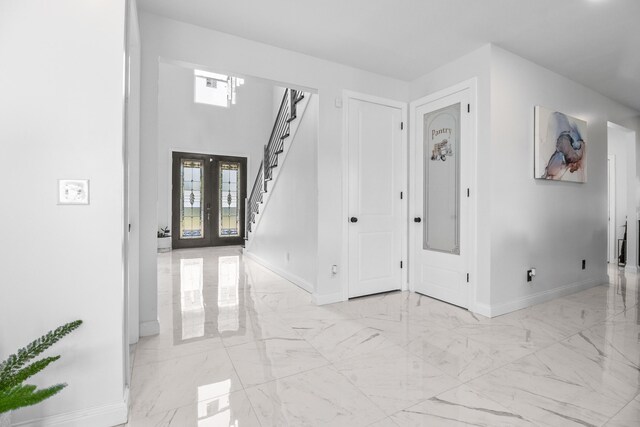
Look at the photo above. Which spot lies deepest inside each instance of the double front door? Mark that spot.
(207, 202)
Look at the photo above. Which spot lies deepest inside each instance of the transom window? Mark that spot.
(215, 89)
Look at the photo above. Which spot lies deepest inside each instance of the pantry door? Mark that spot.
(442, 165)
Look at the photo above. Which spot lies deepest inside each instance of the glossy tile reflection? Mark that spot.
(228, 288)
(240, 346)
(191, 298)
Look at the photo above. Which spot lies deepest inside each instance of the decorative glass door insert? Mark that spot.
(191, 206)
(229, 212)
(441, 180)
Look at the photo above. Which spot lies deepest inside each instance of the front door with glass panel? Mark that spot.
(208, 195)
(441, 173)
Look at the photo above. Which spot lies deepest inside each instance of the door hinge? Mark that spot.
(401, 125)
(400, 264)
(467, 277)
(468, 192)
(468, 108)
(401, 195)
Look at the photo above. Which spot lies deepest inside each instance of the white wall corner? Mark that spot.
(481, 309)
(296, 280)
(107, 415)
(320, 299)
(540, 297)
(150, 328)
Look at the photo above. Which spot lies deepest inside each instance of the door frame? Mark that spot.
(169, 156)
(612, 237)
(403, 107)
(470, 85)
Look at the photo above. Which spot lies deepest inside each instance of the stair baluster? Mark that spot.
(275, 146)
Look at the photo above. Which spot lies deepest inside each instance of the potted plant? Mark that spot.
(164, 239)
(17, 369)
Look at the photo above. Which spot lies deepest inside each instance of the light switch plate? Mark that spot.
(73, 191)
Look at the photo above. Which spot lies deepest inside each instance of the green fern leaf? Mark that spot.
(16, 361)
(22, 375)
(26, 395)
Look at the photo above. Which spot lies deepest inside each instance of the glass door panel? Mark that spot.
(191, 206)
(229, 212)
(441, 180)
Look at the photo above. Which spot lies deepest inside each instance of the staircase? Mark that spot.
(291, 108)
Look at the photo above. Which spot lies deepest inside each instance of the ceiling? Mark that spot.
(594, 42)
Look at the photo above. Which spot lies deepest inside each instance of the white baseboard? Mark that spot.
(481, 309)
(530, 300)
(300, 282)
(631, 268)
(150, 328)
(107, 415)
(328, 298)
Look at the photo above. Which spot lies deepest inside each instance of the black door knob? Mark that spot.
(354, 219)
(417, 219)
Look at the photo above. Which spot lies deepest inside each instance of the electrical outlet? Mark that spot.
(530, 274)
(584, 264)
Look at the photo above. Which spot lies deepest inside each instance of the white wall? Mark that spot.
(61, 116)
(133, 155)
(516, 229)
(473, 65)
(551, 226)
(169, 39)
(240, 130)
(148, 314)
(286, 237)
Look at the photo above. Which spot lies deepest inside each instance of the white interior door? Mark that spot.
(375, 178)
(442, 160)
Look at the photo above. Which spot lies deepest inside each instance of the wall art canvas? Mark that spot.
(560, 146)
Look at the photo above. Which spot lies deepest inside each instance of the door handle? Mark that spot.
(353, 219)
(417, 219)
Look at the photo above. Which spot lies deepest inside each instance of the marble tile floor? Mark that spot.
(240, 346)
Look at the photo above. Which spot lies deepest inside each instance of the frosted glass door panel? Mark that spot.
(441, 139)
